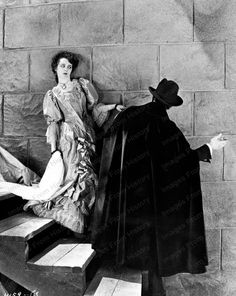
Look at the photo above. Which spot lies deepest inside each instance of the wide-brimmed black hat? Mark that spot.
(167, 93)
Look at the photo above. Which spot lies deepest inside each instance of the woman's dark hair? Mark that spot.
(70, 56)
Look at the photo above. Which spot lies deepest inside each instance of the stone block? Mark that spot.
(158, 21)
(229, 278)
(209, 171)
(18, 147)
(219, 201)
(13, 71)
(213, 237)
(230, 66)
(183, 115)
(92, 23)
(39, 155)
(6, 3)
(110, 97)
(213, 113)
(208, 284)
(118, 68)
(137, 98)
(31, 26)
(214, 20)
(198, 66)
(23, 115)
(230, 159)
(229, 249)
(41, 76)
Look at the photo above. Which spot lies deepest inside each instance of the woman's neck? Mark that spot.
(64, 81)
(65, 84)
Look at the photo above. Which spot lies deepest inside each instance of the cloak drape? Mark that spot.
(148, 212)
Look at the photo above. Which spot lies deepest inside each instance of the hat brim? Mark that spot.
(178, 99)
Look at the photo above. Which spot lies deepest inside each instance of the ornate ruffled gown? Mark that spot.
(70, 116)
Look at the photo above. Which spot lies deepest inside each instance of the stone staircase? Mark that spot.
(38, 254)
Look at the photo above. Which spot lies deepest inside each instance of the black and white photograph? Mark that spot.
(117, 148)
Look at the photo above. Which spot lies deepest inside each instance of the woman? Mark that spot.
(71, 109)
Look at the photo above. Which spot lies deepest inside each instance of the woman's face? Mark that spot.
(64, 69)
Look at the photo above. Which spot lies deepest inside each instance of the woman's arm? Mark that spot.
(53, 117)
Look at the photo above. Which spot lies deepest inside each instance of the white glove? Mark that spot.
(218, 142)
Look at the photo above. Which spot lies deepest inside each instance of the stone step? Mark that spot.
(23, 227)
(110, 281)
(64, 256)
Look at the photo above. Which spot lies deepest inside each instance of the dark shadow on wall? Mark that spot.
(206, 18)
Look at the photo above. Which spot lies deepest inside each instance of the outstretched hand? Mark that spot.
(218, 142)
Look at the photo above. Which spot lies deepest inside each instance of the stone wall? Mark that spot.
(125, 46)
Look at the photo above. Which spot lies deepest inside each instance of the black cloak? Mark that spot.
(148, 213)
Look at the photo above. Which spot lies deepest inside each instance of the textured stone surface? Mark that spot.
(213, 111)
(230, 283)
(208, 284)
(213, 237)
(31, 26)
(182, 115)
(13, 71)
(230, 65)
(23, 115)
(91, 23)
(215, 20)
(229, 249)
(60, 1)
(14, 2)
(230, 159)
(198, 66)
(17, 147)
(39, 155)
(209, 171)
(171, 22)
(219, 204)
(42, 78)
(118, 68)
(110, 97)
(4, 3)
(137, 98)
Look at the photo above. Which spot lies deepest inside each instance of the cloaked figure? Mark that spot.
(148, 213)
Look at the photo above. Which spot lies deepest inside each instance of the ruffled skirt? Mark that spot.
(72, 208)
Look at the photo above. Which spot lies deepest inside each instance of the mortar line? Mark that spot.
(221, 250)
(3, 27)
(224, 65)
(135, 44)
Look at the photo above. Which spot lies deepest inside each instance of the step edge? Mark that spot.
(28, 236)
